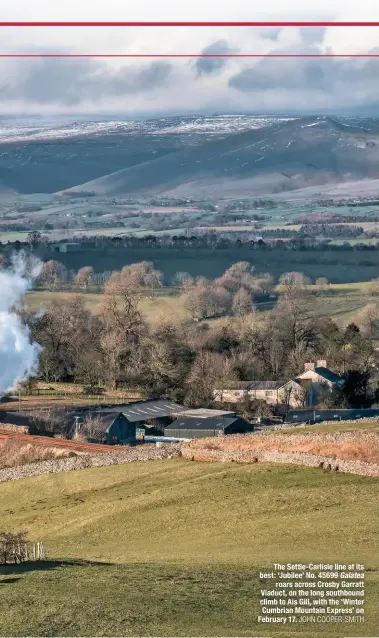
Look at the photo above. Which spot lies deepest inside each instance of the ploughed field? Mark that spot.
(174, 547)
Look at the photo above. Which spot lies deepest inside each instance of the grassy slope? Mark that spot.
(154, 309)
(342, 302)
(183, 542)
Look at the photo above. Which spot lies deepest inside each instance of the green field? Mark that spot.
(339, 265)
(174, 548)
(341, 302)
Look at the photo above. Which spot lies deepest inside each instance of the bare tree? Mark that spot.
(84, 277)
(368, 319)
(184, 280)
(49, 422)
(292, 279)
(121, 332)
(53, 274)
(210, 371)
(242, 303)
(238, 275)
(63, 332)
(134, 277)
(293, 309)
(92, 427)
(12, 547)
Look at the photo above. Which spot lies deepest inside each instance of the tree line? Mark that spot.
(187, 359)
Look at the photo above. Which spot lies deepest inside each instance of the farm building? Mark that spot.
(315, 379)
(205, 413)
(195, 428)
(272, 392)
(118, 430)
(112, 428)
(66, 247)
(123, 421)
(139, 413)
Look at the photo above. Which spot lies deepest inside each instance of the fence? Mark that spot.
(17, 551)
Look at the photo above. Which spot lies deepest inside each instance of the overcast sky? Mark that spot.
(138, 87)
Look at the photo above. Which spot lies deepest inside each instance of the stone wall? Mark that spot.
(147, 453)
(273, 456)
(85, 461)
(18, 429)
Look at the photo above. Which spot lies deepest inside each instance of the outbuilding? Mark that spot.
(112, 428)
(195, 428)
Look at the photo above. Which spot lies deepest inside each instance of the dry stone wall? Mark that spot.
(85, 461)
(149, 453)
(291, 458)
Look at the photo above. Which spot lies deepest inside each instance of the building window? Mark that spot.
(269, 393)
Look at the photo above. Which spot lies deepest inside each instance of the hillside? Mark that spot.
(49, 156)
(280, 157)
(173, 548)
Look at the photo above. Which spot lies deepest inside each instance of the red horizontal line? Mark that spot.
(189, 55)
(189, 24)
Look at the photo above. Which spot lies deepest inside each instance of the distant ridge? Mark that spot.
(280, 157)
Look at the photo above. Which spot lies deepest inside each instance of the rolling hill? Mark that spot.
(283, 156)
(174, 548)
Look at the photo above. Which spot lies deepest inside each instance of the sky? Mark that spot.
(198, 85)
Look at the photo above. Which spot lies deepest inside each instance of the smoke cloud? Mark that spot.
(18, 355)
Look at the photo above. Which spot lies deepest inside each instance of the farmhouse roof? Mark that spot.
(238, 385)
(254, 385)
(329, 375)
(326, 374)
(267, 385)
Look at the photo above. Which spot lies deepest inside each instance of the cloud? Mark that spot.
(70, 81)
(85, 85)
(270, 33)
(207, 66)
(312, 35)
(337, 82)
(287, 73)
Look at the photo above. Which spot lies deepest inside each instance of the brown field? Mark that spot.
(14, 452)
(348, 446)
(155, 309)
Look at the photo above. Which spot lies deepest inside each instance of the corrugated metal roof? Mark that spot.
(190, 423)
(205, 413)
(145, 410)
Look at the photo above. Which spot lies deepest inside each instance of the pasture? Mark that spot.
(341, 302)
(174, 547)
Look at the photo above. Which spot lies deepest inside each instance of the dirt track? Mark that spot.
(93, 448)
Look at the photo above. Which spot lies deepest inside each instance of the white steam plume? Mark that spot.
(18, 356)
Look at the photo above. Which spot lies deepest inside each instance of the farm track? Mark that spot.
(50, 442)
